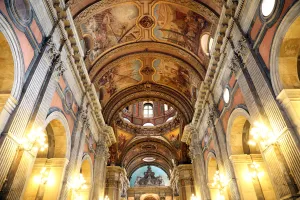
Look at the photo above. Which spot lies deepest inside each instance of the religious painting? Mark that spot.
(175, 76)
(125, 74)
(123, 138)
(179, 25)
(109, 28)
(173, 138)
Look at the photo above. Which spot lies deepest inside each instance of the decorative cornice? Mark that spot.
(188, 131)
(230, 10)
(213, 114)
(62, 16)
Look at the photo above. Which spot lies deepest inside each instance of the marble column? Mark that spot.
(198, 164)
(101, 157)
(201, 188)
(218, 135)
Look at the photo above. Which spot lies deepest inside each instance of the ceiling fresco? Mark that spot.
(123, 75)
(180, 26)
(146, 50)
(110, 28)
(174, 137)
(136, 69)
(105, 28)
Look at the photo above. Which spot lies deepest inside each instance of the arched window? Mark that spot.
(127, 120)
(148, 110)
(169, 119)
(166, 107)
(148, 124)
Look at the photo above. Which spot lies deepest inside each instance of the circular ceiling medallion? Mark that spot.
(149, 159)
(146, 21)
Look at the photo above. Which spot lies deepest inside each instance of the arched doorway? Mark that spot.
(212, 170)
(86, 172)
(6, 71)
(11, 71)
(285, 64)
(45, 180)
(250, 170)
(149, 197)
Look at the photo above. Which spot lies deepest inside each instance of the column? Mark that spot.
(218, 135)
(77, 137)
(186, 186)
(283, 157)
(198, 164)
(100, 163)
(116, 183)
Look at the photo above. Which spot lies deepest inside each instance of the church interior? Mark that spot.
(149, 99)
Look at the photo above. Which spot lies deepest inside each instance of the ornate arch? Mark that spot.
(56, 115)
(19, 70)
(242, 116)
(283, 28)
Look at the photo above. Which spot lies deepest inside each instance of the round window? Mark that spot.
(226, 95)
(267, 7)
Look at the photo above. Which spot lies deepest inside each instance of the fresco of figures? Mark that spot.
(109, 28)
(119, 77)
(180, 26)
(173, 138)
(174, 75)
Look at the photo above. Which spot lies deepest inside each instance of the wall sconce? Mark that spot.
(220, 183)
(261, 134)
(79, 183)
(43, 177)
(256, 172)
(35, 140)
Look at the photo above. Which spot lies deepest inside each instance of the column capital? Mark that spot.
(188, 132)
(213, 114)
(195, 149)
(241, 49)
(101, 148)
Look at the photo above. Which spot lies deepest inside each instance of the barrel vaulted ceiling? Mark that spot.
(146, 50)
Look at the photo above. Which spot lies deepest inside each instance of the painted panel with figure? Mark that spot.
(179, 25)
(124, 74)
(109, 28)
(175, 76)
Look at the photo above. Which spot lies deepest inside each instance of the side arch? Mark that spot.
(19, 71)
(283, 28)
(237, 118)
(56, 115)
